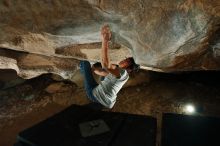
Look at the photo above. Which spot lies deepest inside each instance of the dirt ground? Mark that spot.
(35, 100)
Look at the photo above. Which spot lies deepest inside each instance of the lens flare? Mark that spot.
(189, 109)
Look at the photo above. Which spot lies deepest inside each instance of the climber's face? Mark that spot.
(125, 63)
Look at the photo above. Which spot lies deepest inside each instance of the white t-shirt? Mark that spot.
(106, 91)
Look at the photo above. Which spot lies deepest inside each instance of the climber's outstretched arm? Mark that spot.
(106, 36)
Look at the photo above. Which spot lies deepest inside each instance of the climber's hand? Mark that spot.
(106, 33)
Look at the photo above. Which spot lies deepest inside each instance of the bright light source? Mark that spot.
(189, 109)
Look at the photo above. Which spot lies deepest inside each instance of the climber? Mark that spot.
(115, 76)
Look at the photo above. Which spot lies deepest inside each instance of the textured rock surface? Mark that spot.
(32, 65)
(176, 35)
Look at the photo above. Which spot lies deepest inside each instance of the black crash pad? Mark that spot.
(63, 129)
(189, 130)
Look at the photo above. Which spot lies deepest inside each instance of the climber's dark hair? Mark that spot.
(132, 67)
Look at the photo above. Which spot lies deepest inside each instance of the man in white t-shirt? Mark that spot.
(115, 76)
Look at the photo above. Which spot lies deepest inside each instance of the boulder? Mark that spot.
(164, 36)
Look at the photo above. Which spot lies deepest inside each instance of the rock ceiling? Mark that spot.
(45, 36)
